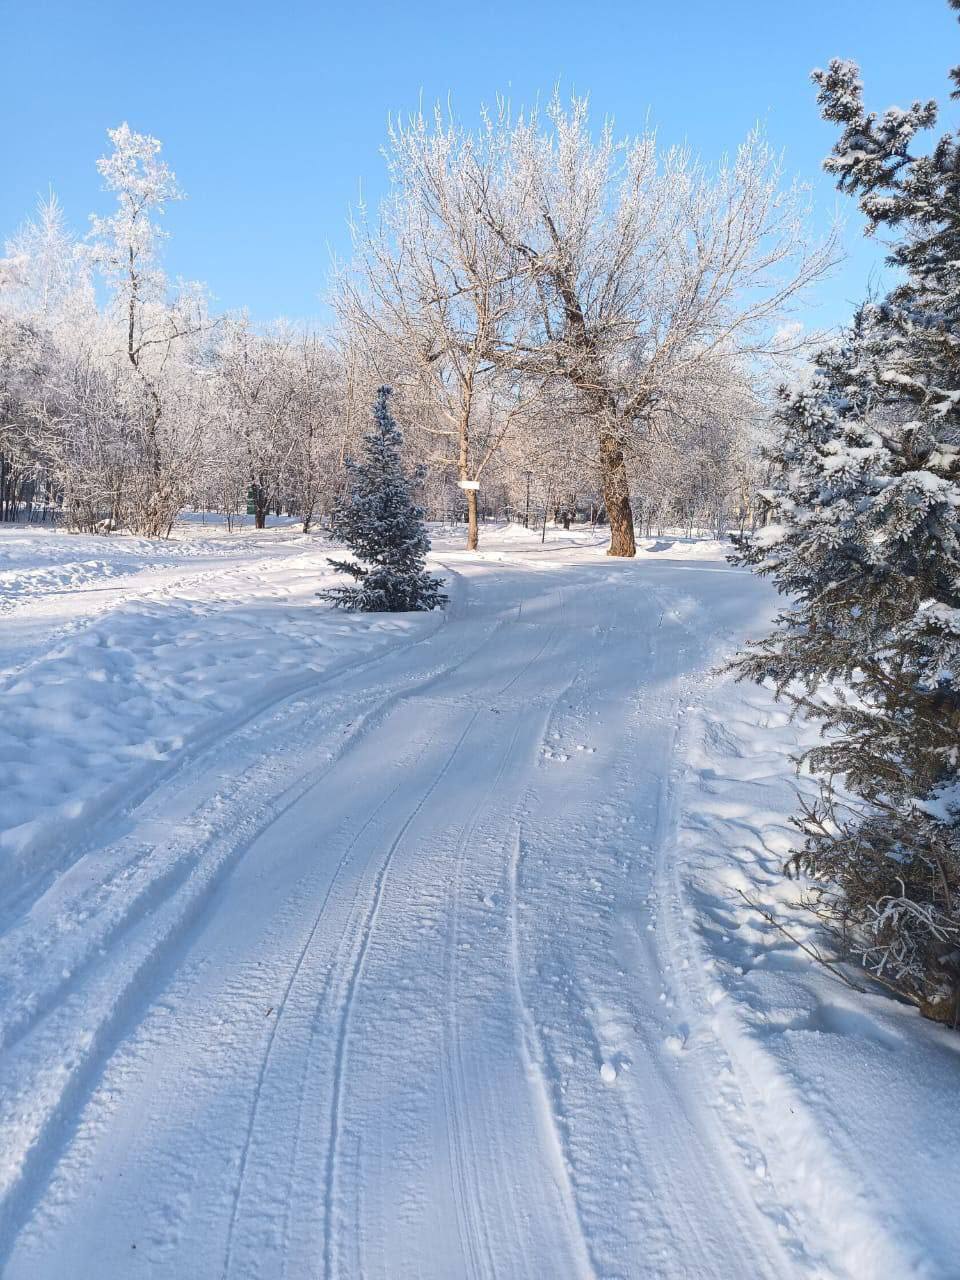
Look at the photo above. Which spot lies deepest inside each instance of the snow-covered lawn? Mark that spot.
(119, 657)
(413, 946)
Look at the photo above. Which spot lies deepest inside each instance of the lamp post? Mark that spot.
(526, 513)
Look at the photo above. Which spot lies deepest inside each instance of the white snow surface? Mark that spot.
(427, 945)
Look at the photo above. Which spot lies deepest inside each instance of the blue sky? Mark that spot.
(273, 114)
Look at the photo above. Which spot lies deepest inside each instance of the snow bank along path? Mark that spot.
(401, 976)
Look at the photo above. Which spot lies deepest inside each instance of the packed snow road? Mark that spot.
(384, 982)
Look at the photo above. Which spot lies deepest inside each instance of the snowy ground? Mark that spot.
(355, 947)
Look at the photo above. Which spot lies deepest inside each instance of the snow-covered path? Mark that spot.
(390, 981)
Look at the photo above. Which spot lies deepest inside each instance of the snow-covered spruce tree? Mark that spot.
(377, 519)
(864, 539)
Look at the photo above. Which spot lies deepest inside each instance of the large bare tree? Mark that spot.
(608, 265)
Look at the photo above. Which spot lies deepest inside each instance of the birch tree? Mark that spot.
(125, 246)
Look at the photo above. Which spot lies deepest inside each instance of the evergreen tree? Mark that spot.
(377, 519)
(864, 538)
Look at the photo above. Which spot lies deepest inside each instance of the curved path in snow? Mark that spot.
(376, 985)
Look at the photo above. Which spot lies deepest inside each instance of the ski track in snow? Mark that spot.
(346, 1009)
(532, 1049)
(424, 968)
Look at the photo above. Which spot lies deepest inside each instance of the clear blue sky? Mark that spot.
(273, 114)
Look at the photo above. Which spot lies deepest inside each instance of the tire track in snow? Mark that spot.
(394, 700)
(277, 1020)
(531, 1047)
(533, 1061)
(473, 1232)
(367, 932)
(356, 974)
(381, 711)
(165, 883)
(119, 1006)
(161, 886)
(683, 1122)
(471, 1223)
(462, 1130)
(48, 1134)
(83, 836)
(325, 992)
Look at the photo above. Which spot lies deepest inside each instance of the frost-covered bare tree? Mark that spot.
(315, 463)
(24, 360)
(86, 435)
(259, 377)
(696, 464)
(47, 312)
(623, 267)
(44, 274)
(434, 289)
(151, 327)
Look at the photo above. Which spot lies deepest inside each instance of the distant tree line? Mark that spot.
(563, 315)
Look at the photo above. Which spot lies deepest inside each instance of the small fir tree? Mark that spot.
(864, 538)
(378, 520)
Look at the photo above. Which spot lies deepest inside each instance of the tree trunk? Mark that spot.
(159, 498)
(616, 497)
(472, 530)
(463, 469)
(261, 506)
